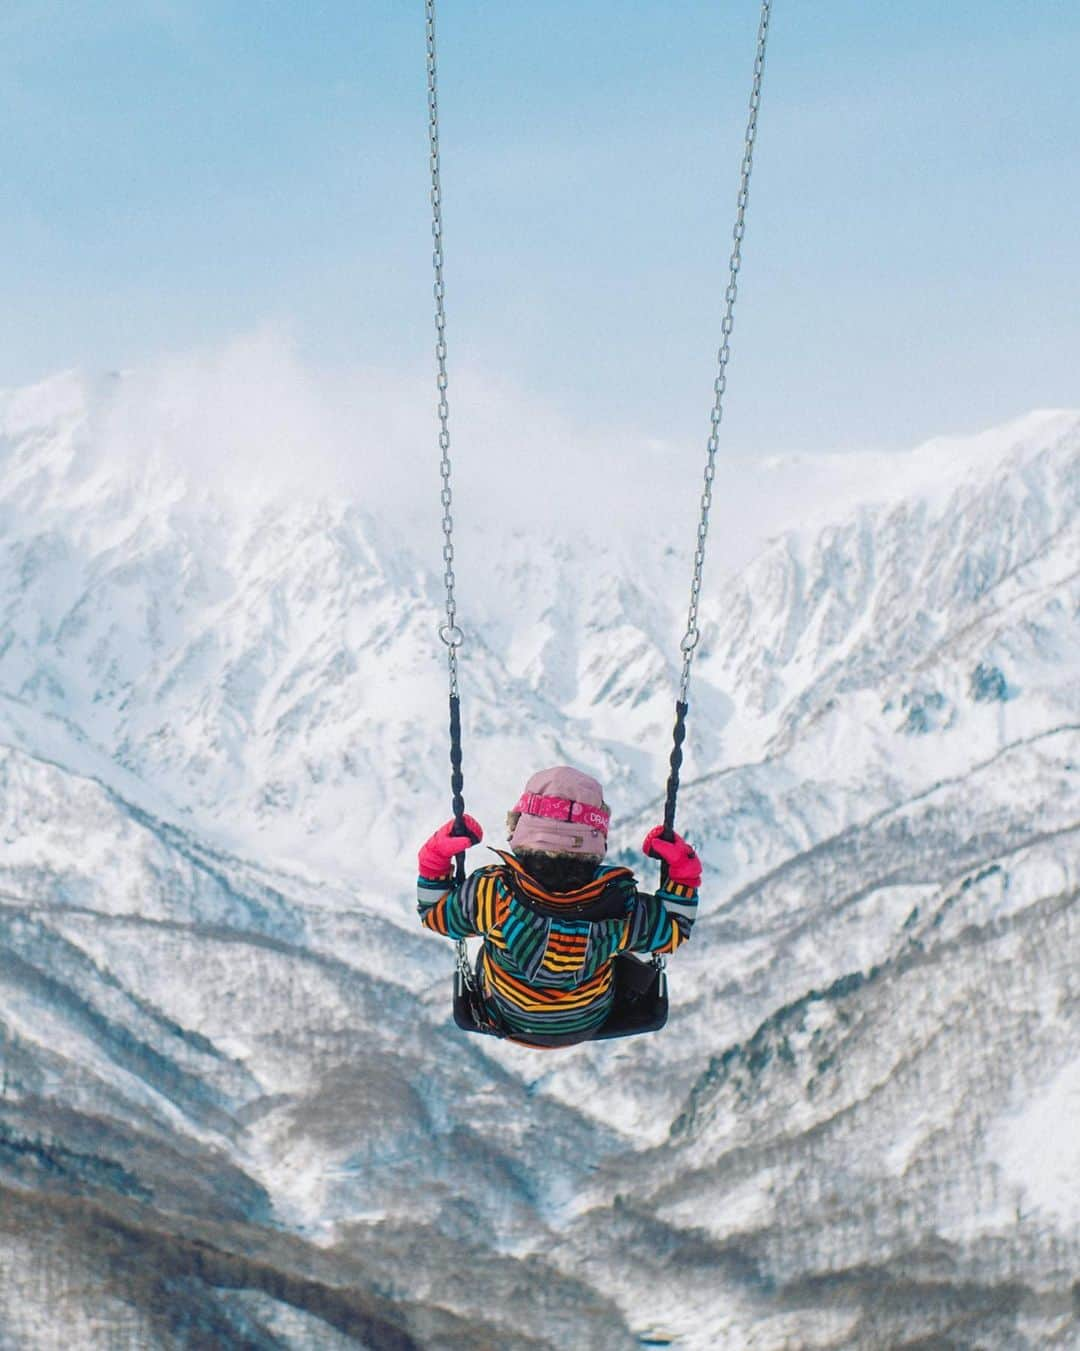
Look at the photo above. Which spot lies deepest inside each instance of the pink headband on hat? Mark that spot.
(562, 809)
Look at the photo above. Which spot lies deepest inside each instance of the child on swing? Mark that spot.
(553, 916)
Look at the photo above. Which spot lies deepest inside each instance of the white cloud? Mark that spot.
(254, 419)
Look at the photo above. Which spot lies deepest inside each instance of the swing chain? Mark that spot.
(692, 636)
(449, 632)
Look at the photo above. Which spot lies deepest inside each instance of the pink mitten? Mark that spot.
(683, 865)
(437, 854)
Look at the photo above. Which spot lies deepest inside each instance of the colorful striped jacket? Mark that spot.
(546, 961)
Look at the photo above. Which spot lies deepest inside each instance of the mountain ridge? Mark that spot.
(213, 990)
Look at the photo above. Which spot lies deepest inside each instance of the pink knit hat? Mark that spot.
(562, 811)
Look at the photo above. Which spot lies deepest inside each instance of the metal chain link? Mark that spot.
(692, 636)
(449, 632)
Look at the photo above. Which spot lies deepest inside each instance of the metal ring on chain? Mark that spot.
(451, 635)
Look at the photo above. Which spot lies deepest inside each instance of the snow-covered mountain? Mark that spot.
(232, 1109)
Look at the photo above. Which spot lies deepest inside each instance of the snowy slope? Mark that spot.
(266, 670)
(222, 1034)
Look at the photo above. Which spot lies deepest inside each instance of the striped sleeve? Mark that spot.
(457, 911)
(660, 923)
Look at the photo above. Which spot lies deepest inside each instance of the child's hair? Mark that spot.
(558, 872)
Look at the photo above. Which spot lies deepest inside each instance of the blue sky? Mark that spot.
(178, 172)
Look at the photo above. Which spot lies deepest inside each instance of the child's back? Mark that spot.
(552, 915)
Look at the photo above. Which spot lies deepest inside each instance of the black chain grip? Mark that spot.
(678, 737)
(457, 786)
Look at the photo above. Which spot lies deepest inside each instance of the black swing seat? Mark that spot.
(641, 1005)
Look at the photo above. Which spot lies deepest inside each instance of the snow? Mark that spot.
(1038, 1147)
